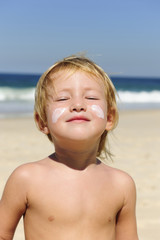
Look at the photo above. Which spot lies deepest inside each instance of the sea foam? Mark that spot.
(139, 97)
(15, 94)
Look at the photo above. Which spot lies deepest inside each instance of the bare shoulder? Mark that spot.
(24, 173)
(120, 178)
(14, 201)
(21, 181)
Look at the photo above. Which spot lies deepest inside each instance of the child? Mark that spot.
(72, 195)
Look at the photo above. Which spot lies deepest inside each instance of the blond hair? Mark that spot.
(73, 64)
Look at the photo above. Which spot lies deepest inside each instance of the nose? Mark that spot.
(78, 105)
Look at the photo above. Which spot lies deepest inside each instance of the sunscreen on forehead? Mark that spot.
(57, 113)
(98, 111)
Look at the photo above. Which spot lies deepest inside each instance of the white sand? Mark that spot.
(135, 143)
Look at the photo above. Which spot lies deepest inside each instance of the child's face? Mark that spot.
(77, 108)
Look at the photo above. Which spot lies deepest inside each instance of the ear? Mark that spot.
(42, 127)
(110, 119)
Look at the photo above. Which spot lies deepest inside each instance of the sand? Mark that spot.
(135, 144)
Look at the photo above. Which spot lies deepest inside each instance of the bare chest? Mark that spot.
(69, 199)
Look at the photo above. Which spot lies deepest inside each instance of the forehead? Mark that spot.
(71, 78)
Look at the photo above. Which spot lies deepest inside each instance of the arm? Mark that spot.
(13, 204)
(126, 228)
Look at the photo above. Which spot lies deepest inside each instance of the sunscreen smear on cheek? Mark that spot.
(98, 111)
(57, 113)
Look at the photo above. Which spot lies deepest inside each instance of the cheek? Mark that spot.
(57, 114)
(98, 111)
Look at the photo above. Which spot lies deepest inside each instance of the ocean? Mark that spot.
(17, 93)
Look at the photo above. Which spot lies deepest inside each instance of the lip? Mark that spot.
(78, 119)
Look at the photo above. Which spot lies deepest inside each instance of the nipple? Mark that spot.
(50, 218)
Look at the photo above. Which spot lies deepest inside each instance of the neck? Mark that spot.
(76, 160)
(76, 154)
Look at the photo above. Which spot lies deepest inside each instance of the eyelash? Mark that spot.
(92, 98)
(62, 99)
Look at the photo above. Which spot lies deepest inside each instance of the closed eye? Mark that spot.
(92, 98)
(62, 99)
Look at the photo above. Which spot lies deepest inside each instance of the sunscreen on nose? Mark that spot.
(98, 111)
(57, 113)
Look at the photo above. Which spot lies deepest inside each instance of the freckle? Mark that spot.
(51, 218)
(109, 219)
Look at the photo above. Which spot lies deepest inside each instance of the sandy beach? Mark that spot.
(135, 144)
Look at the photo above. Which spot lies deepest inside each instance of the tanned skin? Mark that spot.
(71, 194)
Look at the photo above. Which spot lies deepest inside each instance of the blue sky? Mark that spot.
(122, 36)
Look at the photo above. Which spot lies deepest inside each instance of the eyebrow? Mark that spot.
(86, 89)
